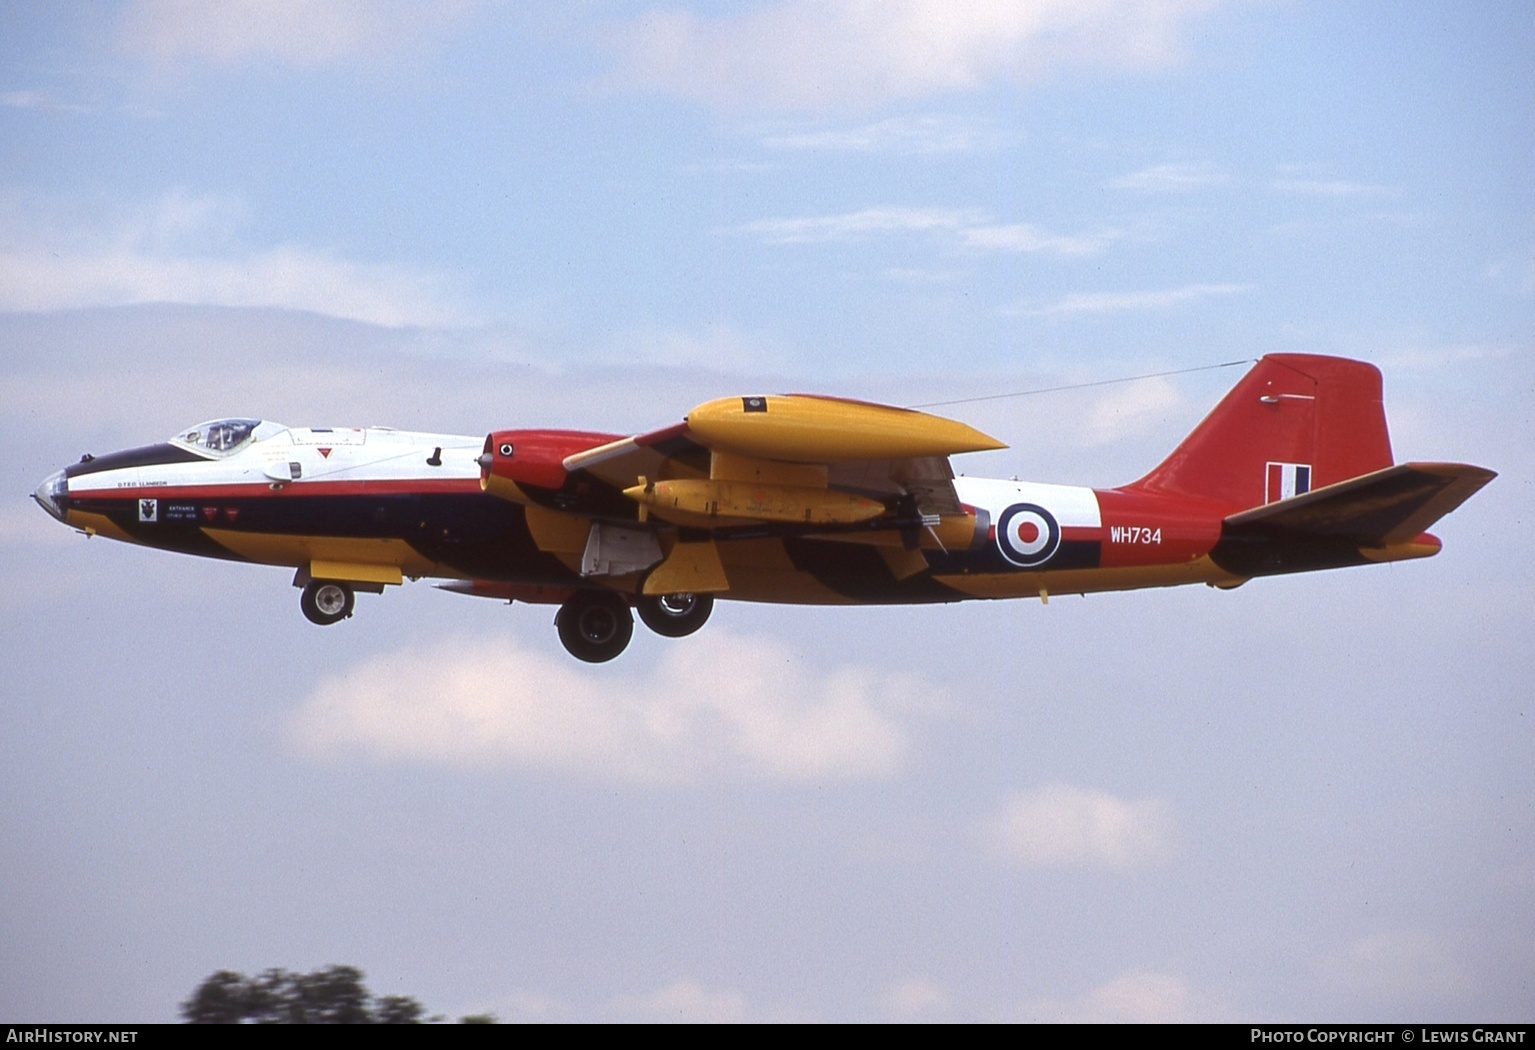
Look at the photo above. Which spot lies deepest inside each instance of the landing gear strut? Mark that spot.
(594, 626)
(326, 601)
(675, 615)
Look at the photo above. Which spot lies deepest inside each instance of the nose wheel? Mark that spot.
(594, 626)
(326, 601)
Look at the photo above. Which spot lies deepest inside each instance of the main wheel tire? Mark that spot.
(594, 626)
(675, 615)
(327, 601)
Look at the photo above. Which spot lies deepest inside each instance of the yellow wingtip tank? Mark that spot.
(803, 428)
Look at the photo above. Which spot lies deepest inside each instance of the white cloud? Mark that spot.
(1138, 997)
(919, 135)
(804, 55)
(717, 705)
(1061, 826)
(525, 1005)
(684, 1001)
(968, 227)
(1169, 178)
(850, 225)
(298, 32)
(688, 1000)
(1512, 273)
(729, 166)
(40, 101)
(917, 276)
(917, 998)
(23, 99)
(1396, 964)
(1444, 356)
(1134, 408)
(716, 347)
(182, 249)
(1114, 302)
(289, 277)
(1336, 188)
(1021, 237)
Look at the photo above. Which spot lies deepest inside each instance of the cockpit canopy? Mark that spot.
(221, 437)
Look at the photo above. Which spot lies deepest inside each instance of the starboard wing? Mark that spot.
(792, 459)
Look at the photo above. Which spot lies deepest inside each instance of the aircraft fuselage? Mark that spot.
(414, 502)
(1291, 472)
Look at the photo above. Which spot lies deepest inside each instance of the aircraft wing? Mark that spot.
(671, 450)
(805, 459)
(927, 479)
(1389, 506)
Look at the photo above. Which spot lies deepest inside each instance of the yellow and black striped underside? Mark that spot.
(380, 536)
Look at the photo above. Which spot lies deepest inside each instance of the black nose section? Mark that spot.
(148, 456)
(50, 495)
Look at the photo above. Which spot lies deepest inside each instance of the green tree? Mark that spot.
(397, 1009)
(334, 995)
(223, 998)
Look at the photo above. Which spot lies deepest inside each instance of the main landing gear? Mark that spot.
(327, 601)
(595, 626)
(675, 615)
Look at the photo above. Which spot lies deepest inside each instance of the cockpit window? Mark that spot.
(220, 437)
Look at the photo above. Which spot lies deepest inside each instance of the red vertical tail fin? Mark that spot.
(1294, 423)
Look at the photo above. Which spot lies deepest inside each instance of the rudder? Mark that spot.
(1294, 423)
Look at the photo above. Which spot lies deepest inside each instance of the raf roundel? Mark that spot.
(1027, 535)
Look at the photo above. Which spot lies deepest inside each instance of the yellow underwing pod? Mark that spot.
(700, 498)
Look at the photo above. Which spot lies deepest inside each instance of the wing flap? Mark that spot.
(929, 479)
(1386, 507)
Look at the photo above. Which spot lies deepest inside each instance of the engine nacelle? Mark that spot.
(515, 459)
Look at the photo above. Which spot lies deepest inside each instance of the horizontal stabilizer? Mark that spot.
(1387, 506)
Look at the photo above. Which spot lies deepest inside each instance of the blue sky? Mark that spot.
(1305, 799)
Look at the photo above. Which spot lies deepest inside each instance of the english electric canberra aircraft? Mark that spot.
(778, 498)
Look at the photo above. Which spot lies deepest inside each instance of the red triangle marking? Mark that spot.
(325, 452)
